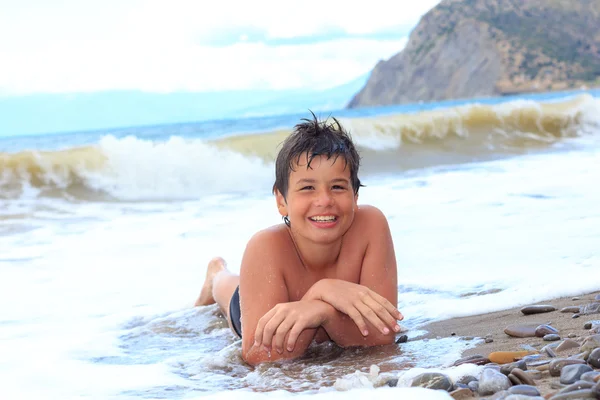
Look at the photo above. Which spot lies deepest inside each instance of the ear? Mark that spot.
(281, 203)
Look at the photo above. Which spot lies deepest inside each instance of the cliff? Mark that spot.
(469, 48)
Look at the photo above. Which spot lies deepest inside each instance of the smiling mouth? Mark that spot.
(328, 218)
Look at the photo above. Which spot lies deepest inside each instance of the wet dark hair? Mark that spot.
(315, 138)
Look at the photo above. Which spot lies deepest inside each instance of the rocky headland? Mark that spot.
(478, 48)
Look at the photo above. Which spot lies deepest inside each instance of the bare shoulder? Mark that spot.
(268, 244)
(369, 218)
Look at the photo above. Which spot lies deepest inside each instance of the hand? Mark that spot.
(292, 317)
(360, 302)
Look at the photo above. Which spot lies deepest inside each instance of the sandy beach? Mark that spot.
(492, 326)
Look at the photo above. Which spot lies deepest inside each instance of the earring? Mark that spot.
(286, 220)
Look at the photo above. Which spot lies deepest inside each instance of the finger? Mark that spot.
(279, 336)
(293, 336)
(260, 326)
(388, 306)
(270, 328)
(372, 317)
(382, 312)
(358, 320)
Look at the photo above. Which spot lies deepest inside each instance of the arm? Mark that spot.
(262, 288)
(375, 297)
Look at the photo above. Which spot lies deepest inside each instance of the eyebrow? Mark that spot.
(306, 180)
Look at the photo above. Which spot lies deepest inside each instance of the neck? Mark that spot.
(315, 256)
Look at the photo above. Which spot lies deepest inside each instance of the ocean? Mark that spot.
(105, 237)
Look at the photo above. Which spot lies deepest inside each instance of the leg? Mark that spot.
(218, 287)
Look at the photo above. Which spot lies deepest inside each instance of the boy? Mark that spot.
(327, 273)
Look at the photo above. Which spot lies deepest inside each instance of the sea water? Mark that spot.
(105, 238)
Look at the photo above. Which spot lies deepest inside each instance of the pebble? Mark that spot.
(521, 331)
(507, 368)
(474, 386)
(596, 391)
(544, 330)
(567, 344)
(591, 324)
(537, 309)
(571, 309)
(593, 376)
(594, 358)
(522, 397)
(402, 339)
(572, 335)
(504, 357)
(463, 393)
(526, 390)
(489, 340)
(576, 298)
(572, 373)
(577, 386)
(522, 376)
(592, 308)
(590, 343)
(534, 374)
(492, 381)
(432, 380)
(476, 359)
(392, 382)
(576, 395)
(551, 337)
(597, 297)
(558, 364)
(465, 380)
(575, 316)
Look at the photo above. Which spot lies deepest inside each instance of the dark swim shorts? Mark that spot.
(234, 312)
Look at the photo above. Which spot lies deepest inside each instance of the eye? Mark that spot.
(307, 188)
(339, 187)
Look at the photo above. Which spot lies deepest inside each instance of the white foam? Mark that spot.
(175, 169)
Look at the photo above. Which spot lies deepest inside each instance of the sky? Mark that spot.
(162, 46)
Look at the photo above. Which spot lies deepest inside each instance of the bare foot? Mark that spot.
(215, 266)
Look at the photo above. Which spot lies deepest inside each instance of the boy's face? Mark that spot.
(320, 200)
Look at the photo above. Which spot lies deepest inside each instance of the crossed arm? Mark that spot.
(352, 314)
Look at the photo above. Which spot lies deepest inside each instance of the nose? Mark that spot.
(324, 198)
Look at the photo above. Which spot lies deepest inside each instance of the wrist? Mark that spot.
(316, 291)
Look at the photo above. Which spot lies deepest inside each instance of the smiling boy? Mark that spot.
(327, 273)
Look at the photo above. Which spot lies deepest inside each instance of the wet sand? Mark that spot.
(493, 324)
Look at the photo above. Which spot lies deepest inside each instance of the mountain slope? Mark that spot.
(468, 48)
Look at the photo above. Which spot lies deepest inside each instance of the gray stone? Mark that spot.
(463, 393)
(592, 308)
(492, 381)
(526, 390)
(507, 368)
(551, 337)
(520, 330)
(522, 376)
(537, 309)
(567, 344)
(593, 376)
(558, 364)
(534, 374)
(523, 397)
(578, 386)
(596, 390)
(402, 339)
(474, 386)
(544, 330)
(572, 335)
(476, 359)
(594, 358)
(465, 380)
(392, 382)
(570, 309)
(591, 324)
(572, 373)
(597, 297)
(590, 343)
(576, 395)
(432, 380)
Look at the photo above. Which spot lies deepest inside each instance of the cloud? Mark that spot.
(73, 46)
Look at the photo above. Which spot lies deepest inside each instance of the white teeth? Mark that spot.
(323, 219)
